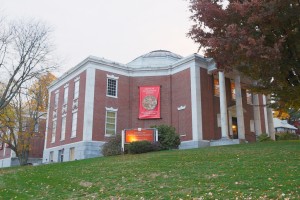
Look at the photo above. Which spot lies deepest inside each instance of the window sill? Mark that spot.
(73, 136)
(112, 96)
(109, 135)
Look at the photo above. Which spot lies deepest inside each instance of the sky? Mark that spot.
(118, 30)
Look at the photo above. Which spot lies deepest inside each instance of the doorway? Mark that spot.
(234, 128)
(61, 155)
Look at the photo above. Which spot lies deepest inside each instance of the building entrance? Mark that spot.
(234, 128)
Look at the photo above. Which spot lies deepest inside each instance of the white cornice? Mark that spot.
(118, 68)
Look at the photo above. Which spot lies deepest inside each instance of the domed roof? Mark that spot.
(158, 58)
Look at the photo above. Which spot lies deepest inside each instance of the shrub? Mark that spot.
(167, 137)
(140, 147)
(286, 136)
(264, 138)
(113, 146)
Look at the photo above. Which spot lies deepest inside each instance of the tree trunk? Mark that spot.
(23, 157)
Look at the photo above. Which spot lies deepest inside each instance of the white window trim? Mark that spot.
(61, 132)
(74, 136)
(112, 77)
(53, 135)
(77, 80)
(66, 94)
(252, 126)
(56, 96)
(219, 120)
(111, 110)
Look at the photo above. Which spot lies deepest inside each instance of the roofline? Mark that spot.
(209, 62)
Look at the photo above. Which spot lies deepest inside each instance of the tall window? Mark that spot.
(216, 87)
(112, 87)
(249, 97)
(72, 154)
(110, 123)
(232, 85)
(56, 99)
(76, 89)
(66, 95)
(53, 131)
(74, 124)
(252, 127)
(63, 128)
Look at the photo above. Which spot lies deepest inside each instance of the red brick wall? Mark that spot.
(101, 101)
(209, 117)
(37, 143)
(181, 96)
(165, 99)
(80, 117)
(248, 115)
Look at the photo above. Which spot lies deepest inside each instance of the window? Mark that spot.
(249, 97)
(66, 95)
(51, 156)
(216, 87)
(76, 89)
(110, 123)
(53, 131)
(74, 124)
(232, 85)
(63, 128)
(252, 126)
(72, 154)
(112, 87)
(219, 120)
(56, 99)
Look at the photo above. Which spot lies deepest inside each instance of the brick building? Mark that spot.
(8, 156)
(99, 98)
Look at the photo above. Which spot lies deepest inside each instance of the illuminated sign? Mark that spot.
(134, 135)
(139, 135)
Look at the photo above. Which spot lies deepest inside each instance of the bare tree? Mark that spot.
(25, 49)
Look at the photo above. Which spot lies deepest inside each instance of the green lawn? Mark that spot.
(268, 170)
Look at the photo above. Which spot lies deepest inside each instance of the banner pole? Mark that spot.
(123, 141)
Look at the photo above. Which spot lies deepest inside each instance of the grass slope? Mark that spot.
(250, 171)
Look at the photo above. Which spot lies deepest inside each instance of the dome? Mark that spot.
(158, 58)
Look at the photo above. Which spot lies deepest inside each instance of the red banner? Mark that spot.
(149, 102)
